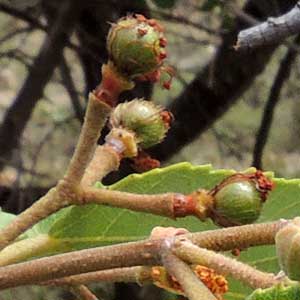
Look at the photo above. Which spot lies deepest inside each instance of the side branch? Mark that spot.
(66, 192)
(104, 161)
(95, 118)
(46, 206)
(193, 288)
(82, 292)
(273, 31)
(224, 265)
(131, 254)
(138, 274)
(281, 77)
(160, 204)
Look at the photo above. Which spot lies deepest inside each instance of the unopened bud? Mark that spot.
(136, 46)
(143, 118)
(239, 198)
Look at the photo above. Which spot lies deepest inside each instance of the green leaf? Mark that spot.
(93, 225)
(279, 292)
(165, 3)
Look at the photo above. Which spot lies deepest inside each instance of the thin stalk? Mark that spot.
(82, 292)
(104, 161)
(138, 274)
(160, 204)
(89, 260)
(95, 118)
(238, 237)
(192, 286)
(223, 265)
(47, 205)
(60, 196)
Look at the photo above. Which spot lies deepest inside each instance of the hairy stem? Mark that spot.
(95, 118)
(132, 274)
(104, 161)
(193, 287)
(132, 254)
(238, 237)
(47, 205)
(89, 260)
(160, 204)
(82, 292)
(224, 265)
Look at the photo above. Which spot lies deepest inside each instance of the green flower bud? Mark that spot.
(136, 46)
(277, 292)
(146, 120)
(288, 249)
(239, 198)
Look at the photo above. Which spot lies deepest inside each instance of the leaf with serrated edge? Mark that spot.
(92, 225)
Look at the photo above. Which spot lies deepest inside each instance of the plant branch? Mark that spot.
(130, 274)
(64, 194)
(194, 255)
(44, 207)
(82, 292)
(237, 237)
(95, 118)
(104, 161)
(192, 286)
(282, 76)
(132, 254)
(89, 260)
(160, 204)
(273, 31)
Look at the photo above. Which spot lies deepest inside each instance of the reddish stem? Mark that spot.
(184, 205)
(112, 84)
